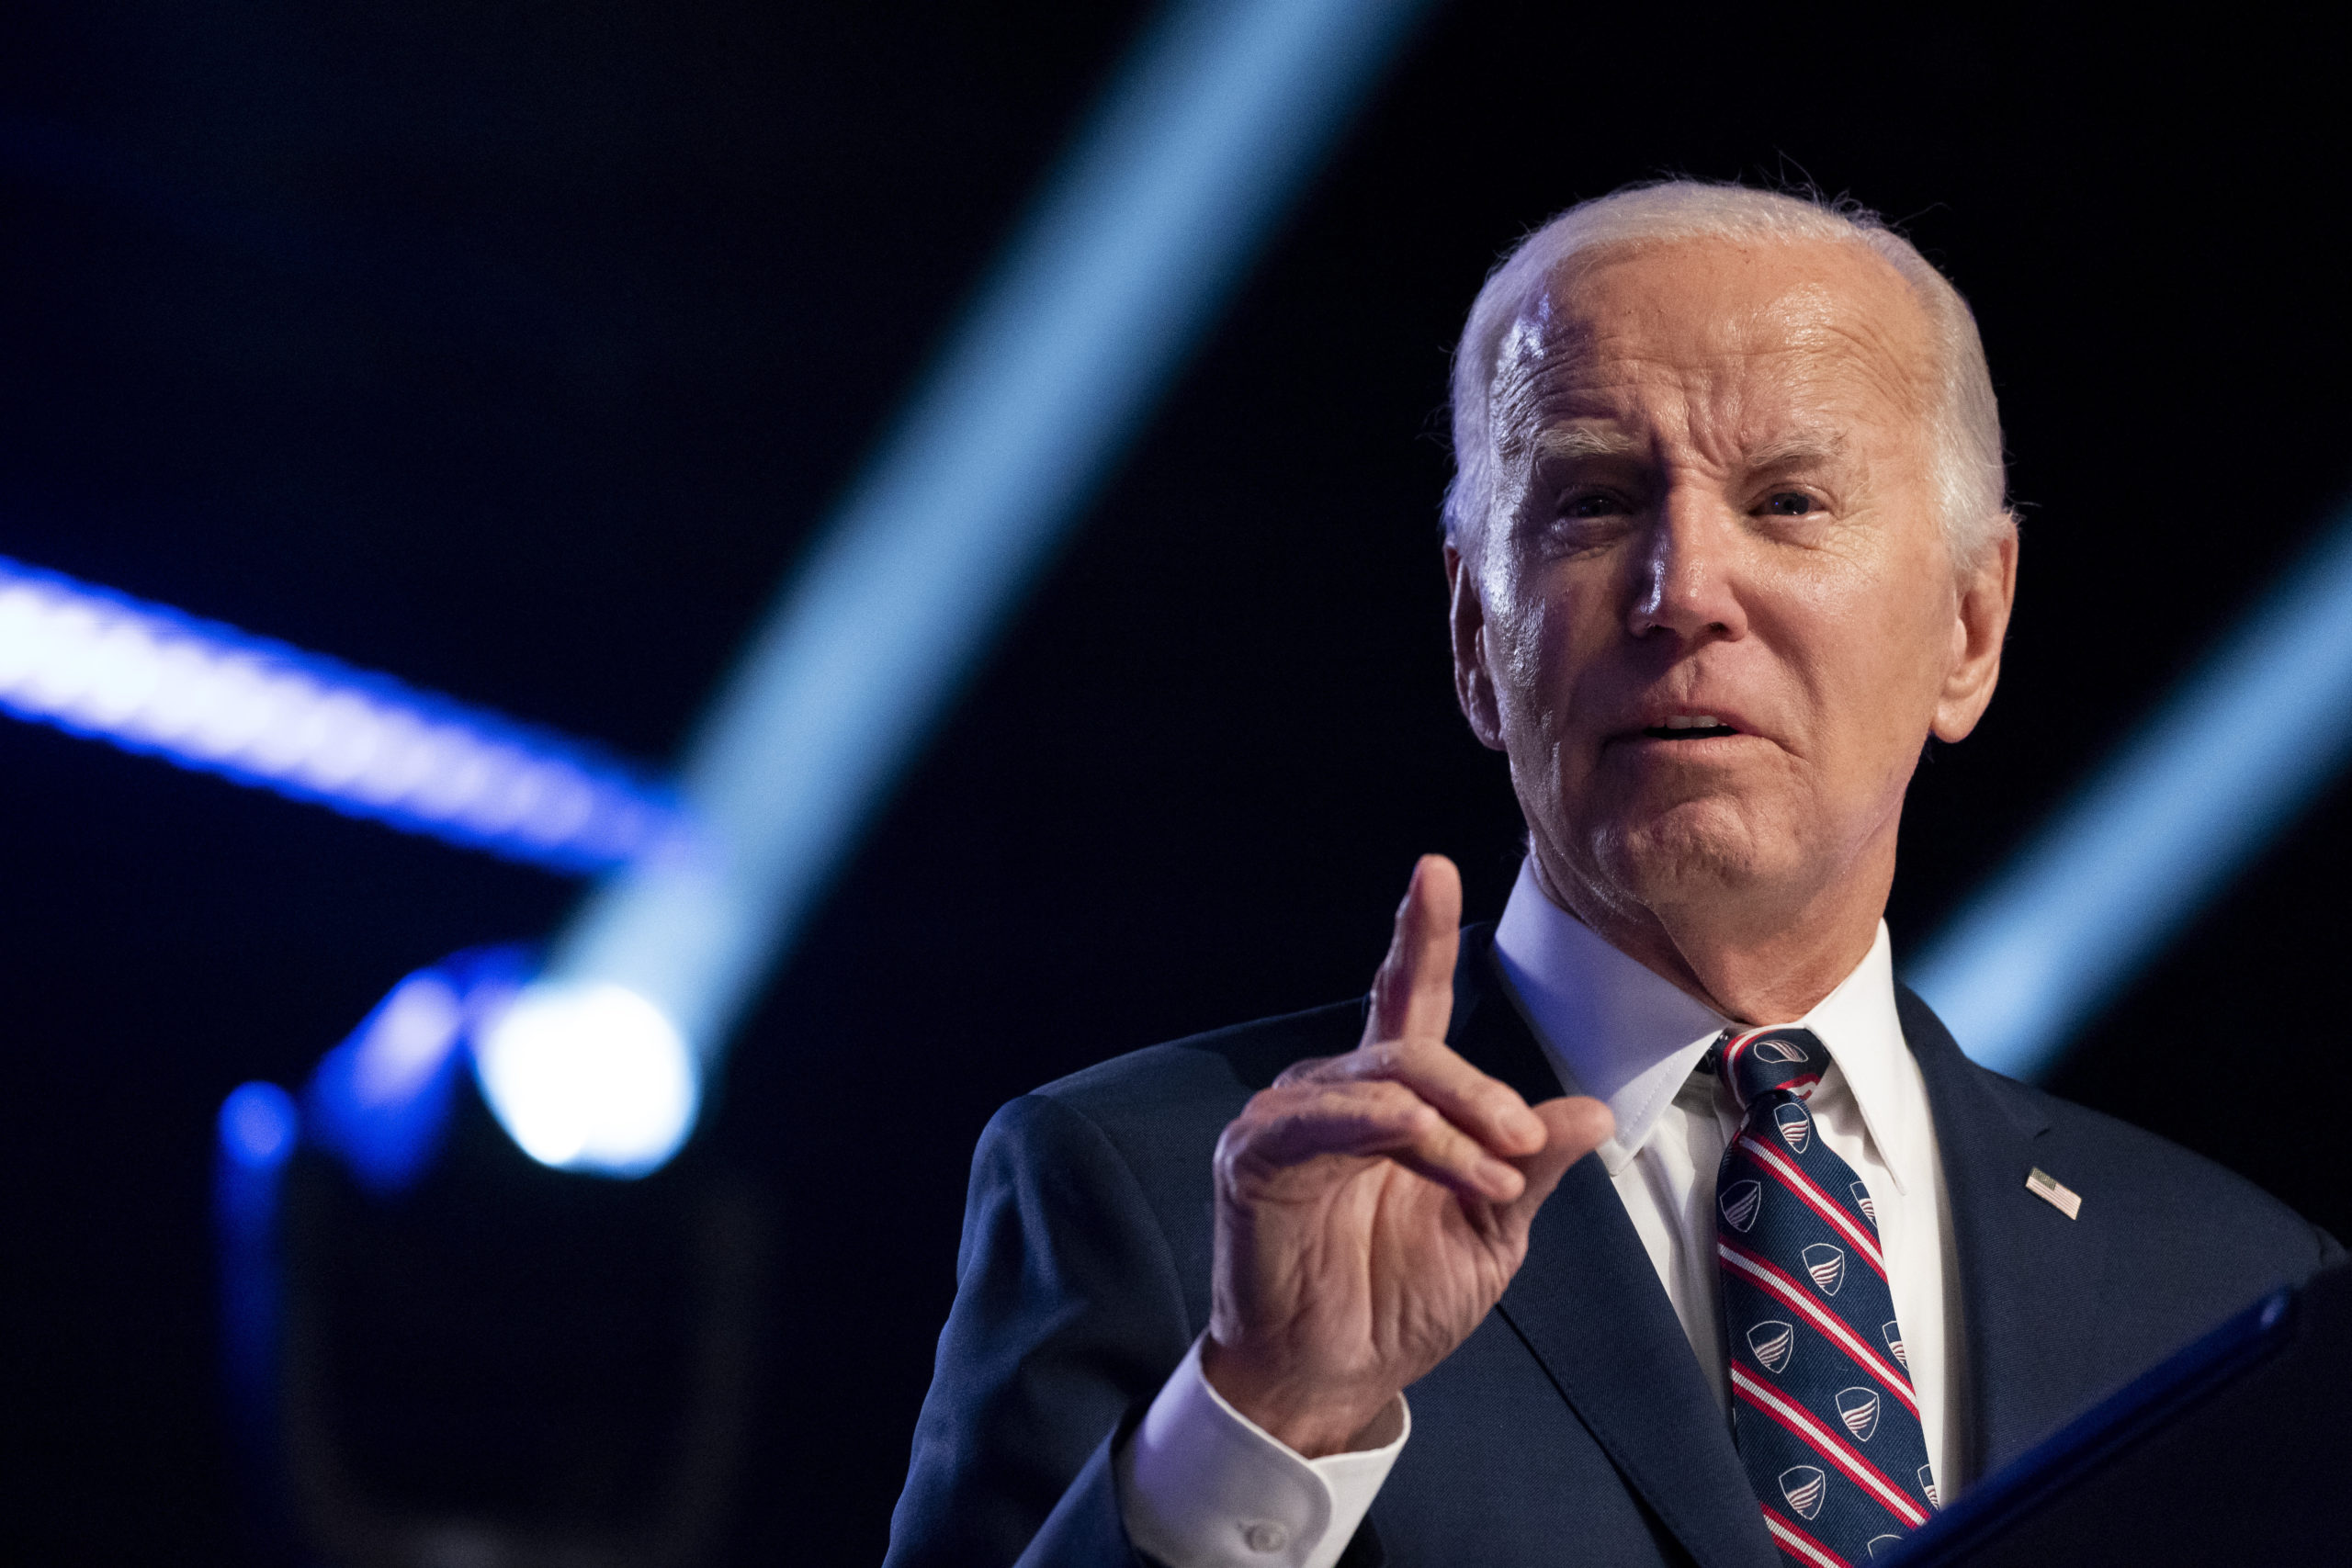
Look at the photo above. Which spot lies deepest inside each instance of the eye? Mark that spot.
(1592, 503)
(1789, 504)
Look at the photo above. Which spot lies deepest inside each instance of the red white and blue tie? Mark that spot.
(1821, 1407)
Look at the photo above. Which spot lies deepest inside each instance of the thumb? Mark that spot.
(1573, 1127)
(1412, 996)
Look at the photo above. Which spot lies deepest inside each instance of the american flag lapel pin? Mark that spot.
(2054, 1192)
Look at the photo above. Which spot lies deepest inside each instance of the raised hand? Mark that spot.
(1371, 1207)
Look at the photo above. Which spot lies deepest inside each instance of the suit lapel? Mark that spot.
(2025, 1269)
(1589, 1304)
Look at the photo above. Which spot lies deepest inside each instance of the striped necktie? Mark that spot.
(1821, 1407)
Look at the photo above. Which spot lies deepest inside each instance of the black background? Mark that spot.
(515, 348)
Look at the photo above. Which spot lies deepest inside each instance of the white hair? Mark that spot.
(1971, 482)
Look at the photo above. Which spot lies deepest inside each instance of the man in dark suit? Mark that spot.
(1726, 545)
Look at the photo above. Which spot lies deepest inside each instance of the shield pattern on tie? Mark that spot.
(1826, 1264)
(1804, 1486)
(1774, 1342)
(1739, 1203)
(1825, 1420)
(1858, 1408)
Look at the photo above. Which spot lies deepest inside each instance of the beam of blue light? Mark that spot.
(1139, 235)
(2221, 767)
(207, 696)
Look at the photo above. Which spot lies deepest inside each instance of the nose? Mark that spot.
(1685, 588)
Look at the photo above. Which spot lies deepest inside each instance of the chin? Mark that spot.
(1696, 850)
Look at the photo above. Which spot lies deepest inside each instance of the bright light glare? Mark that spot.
(258, 1125)
(589, 1078)
(207, 696)
(2225, 763)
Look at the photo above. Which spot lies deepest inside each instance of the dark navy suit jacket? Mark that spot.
(1574, 1424)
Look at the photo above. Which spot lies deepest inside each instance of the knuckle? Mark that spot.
(1412, 1114)
(1265, 1112)
(1239, 1134)
(1312, 1069)
(1223, 1165)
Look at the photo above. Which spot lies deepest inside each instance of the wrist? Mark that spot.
(1314, 1417)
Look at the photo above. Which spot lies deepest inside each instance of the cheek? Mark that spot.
(1877, 652)
(1538, 648)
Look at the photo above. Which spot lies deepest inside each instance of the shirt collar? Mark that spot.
(1629, 1037)
(1859, 1024)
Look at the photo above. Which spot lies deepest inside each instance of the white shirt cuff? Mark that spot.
(1201, 1486)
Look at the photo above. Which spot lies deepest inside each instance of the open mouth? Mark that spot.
(1690, 726)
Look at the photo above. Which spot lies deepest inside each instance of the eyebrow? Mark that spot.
(1796, 450)
(1567, 443)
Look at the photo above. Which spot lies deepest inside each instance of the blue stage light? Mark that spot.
(380, 1101)
(207, 696)
(259, 1129)
(1138, 237)
(258, 1126)
(2223, 766)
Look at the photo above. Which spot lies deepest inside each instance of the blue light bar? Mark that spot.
(1218, 116)
(207, 696)
(2222, 766)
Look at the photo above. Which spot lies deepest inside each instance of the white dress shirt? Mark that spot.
(1203, 1486)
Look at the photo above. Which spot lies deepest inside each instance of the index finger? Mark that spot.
(1412, 996)
(1488, 1110)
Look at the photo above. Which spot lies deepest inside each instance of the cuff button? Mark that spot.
(1264, 1536)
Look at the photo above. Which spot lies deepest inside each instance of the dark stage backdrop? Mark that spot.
(515, 348)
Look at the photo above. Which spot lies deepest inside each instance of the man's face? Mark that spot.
(1712, 619)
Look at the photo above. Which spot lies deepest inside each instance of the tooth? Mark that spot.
(1680, 721)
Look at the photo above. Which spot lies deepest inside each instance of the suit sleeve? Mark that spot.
(1068, 1317)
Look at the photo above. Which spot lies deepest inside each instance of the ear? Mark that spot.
(1474, 687)
(1981, 621)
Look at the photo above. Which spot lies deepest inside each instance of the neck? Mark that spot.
(1757, 959)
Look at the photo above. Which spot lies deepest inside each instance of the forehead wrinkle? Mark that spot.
(1723, 413)
(1580, 369)
(1842, 332)
(1556, 349)
(1581, 406)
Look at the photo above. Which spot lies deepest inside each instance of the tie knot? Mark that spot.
(1758, 1061)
